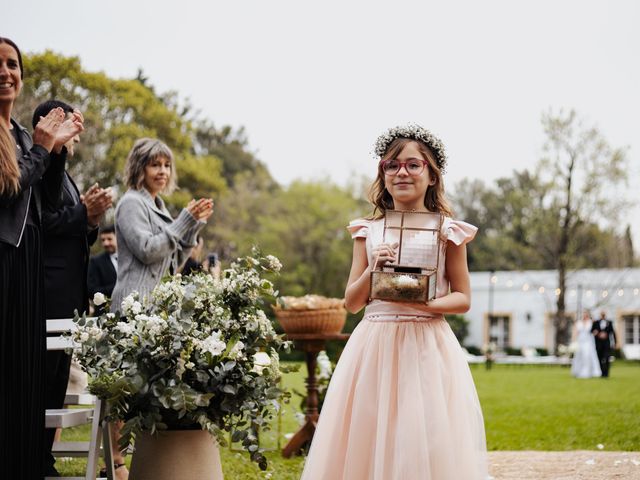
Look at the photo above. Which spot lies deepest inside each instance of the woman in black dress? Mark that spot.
(30, 174)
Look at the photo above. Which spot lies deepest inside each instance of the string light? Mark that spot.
(558, 291)
(636, 291)
(494, 279)
(605, 294)
(525, 287)
(589, 293)
(541, 290)
(620, 292)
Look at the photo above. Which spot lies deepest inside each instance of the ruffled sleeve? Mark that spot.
(359, 228)
(457, 231)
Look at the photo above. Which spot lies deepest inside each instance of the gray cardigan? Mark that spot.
(149, 242)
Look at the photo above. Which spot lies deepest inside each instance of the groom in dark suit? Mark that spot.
(68, 231)
(603, 331)
(103, 268)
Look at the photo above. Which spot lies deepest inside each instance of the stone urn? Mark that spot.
(176, 455)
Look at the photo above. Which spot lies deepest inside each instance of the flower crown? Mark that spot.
(415, 132)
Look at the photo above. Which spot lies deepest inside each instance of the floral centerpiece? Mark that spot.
(195, 353)
(310, 314)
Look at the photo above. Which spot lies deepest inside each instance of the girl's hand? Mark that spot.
(44, 134)
(384, 253)
(200, 209)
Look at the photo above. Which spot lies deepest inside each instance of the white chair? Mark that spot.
(73, 417)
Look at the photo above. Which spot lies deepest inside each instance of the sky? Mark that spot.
(315, 83)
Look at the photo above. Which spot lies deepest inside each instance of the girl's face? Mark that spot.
(10, 81)
(408, 186)
(156, 175)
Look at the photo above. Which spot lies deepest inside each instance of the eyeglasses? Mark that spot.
(413, 166)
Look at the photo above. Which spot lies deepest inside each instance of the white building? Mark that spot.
(515, 309)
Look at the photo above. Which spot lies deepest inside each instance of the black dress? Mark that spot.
(22, 316)
(22, 350)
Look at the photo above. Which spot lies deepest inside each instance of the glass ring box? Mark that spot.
(413, 277)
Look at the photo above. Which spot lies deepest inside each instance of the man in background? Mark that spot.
(605, 334)
(103, 268)
(68, 231)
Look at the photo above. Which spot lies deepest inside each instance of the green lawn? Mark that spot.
(544, 408)
(525, 408)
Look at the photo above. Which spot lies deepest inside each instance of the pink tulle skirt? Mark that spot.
(401, 406)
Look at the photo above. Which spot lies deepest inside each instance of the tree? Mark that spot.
(303, 224)
(117, 112)
(231, 146)
(508, 215)
(579, 171)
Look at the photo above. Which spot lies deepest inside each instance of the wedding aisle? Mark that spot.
(570, 465)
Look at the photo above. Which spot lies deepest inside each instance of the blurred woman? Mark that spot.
(151, 243)
(585, 363)
(30, 174)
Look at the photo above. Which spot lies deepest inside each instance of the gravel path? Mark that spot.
(572, 465)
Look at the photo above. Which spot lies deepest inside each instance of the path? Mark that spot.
(572, 465)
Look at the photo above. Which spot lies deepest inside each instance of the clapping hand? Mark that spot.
(53, 131)
(68, 129)
(97, 201)
(45, 132)
(200, 209)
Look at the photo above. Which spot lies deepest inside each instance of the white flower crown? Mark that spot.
(415, 132)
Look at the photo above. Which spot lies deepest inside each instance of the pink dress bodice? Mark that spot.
(454, 231)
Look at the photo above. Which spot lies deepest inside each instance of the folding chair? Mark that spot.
(73, 417)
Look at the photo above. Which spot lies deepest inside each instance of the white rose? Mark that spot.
(274, 263)
(261, 360)
(236, 351)
(213, 344)
(125, 328)
(99, 299)
(136, 307)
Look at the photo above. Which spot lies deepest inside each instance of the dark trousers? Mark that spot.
(604, 351)
(57, 368)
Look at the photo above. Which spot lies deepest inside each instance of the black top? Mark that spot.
(32, 215)
(40, 181)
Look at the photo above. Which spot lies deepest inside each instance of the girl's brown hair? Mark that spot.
(9, 171)
(434, 198)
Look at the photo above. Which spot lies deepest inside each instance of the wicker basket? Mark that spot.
(312, 321)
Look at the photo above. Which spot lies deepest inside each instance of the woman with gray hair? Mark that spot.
(150, 242)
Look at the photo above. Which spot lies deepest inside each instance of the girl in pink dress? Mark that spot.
(402, 404)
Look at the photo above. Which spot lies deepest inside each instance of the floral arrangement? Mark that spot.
(567, 350)
(415, 132)
(195, 353)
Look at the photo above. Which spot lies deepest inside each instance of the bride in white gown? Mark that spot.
(585, 362)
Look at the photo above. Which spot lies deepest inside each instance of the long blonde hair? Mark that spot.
(9, 171)
(434, 198)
